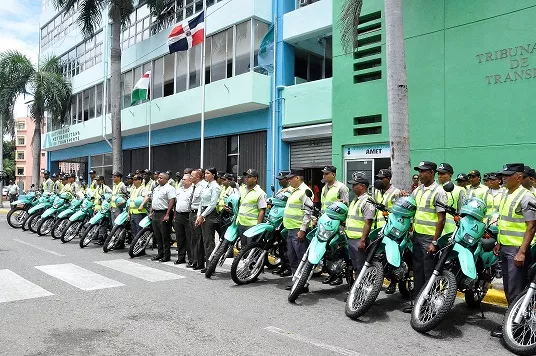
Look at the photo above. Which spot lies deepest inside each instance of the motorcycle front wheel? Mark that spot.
(140, 242)
(16, 216)
(113, 238)
(217, 258)
(45, 225)
(33, 224)
(88, 235)
(71, 230)
(363, 294)
(521, 338)
(431, 308)
(58, 228)
(245, 268)
(300, 282)
(25, 225)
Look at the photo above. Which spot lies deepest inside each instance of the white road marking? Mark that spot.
(79, 277)
(140, 271)
(39, 248)
(226, 267)
(14, 287)
(313, 342)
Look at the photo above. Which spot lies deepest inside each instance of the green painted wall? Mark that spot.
(307, 103)
(471, 97)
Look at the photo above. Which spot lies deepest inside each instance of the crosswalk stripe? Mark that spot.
(146, 273)
(14, 287)
(79, 277)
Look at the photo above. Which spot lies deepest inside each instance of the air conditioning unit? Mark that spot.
(304, 2)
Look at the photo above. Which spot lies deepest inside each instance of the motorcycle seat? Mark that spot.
(488, 244)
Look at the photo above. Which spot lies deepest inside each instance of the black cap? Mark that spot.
(474, 172)
(92, 172)
(251, 172)
(138, 177)
(45, 172)
(384, 173)
(130, 176)
(72, 175)
(359, 178)
(445, 168)
(329, 169)
(100, 178)
(117, 174)
(426, 166)
(462, 177)
(146, 171)
(220, 174)
(282, 175)
(511, 168)
(54, 175)
(295, 172)
(228, 176)
(493, 176)
(157, 172)
(529, 171)
(138, 171)
(169, 173)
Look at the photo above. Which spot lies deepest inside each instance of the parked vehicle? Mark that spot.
(121, 227)
(20, 207)
(33, 218)
(62, 219)
(50, 216)
(79, 218)
(101, 219)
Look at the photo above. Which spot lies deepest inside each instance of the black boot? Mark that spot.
(498, 332)
(391, 289)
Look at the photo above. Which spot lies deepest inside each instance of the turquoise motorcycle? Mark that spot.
(142, 239)
(101, 219)
(34, 213)
(327, 237)
(62, 220)
(227, 243)
(50, 216)
(269, 236)
(466, 263)
(121, 228)
(78, 219)
(20, 207)
(385, 251)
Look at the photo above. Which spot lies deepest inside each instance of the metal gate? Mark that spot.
(310, 153)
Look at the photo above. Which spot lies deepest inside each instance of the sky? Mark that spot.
(19, 29)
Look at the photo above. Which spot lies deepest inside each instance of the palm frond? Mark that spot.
(163, 12)
(349, 21)
(120, 10)
(65, 5)
(90, 16)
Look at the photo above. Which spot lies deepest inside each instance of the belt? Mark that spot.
(160, 211)
(193, 211)
(183, 212)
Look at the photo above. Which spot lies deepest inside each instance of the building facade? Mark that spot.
(24, 130)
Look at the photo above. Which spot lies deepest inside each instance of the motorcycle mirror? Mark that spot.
(272, 188)
(378, 184)
(449, 187)
(309, 193)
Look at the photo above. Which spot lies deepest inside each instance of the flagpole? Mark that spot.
(150, 112)
(274, 112)
(203, 79)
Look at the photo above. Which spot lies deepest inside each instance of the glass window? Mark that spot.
(260, 29)
(21, 140)
(79, 110)
(230, 52)
(189, 8)
(127, 88)
(73, 109)
(179, 11)
(195, 65)
(137, 74)
(243, 48)
(218, 68)
(207, 59)
(169, 74)
(158, 70)
(198, 6)
(142, 12)
(100, 89)
(20, 154)
(86, 105)
(92, 103)
(233, 144)
(182, 72)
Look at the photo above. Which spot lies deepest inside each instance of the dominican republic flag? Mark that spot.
(188, 34)
(141, 89)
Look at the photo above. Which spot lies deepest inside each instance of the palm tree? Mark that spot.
(50, 92)
(397, 88)
(89, 18)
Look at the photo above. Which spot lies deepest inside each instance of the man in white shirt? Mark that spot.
(12, 191)
(182, 227)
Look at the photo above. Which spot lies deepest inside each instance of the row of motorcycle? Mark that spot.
(464, 263)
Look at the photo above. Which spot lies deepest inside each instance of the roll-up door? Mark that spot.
(310, 153)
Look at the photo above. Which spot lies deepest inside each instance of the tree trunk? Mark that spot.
(36, 150)
(115, 88)
(397, 95)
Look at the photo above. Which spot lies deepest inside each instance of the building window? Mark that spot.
(243, 48)
(20, 171)
(84, 56)
(21, 125)
(102, 165)
(56, 30)
(309, 66)
(42, 154)
(233, 145)
(21, 141)
(126, 88)
(20, 155)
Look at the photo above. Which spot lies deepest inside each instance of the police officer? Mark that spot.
(196, 232)
(171, 181)
(130, 183)
(462, 180)
(428, 224)
(454, 198)
(92, 180)
(69, 186)
(494, 194)
(148, 181)
(47, 186)
(529, 179)
(359, 221)
(517, 223)
(224, 193)
(163, 201)
(475, 189)
(119, 190)
(182, 222)
(333, 190)
(296, 219)
(100, 190)
(137, 213)
(58, 185)
(283, 181)
(252, 205)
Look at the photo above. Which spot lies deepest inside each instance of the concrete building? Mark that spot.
(24, 129)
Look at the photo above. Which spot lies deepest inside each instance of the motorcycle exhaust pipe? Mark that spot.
(526, 301)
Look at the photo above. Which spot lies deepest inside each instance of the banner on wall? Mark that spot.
(381, 150)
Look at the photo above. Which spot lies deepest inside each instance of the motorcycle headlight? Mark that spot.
(468, 239)
(323, 233)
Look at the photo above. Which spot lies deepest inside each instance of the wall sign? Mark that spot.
(516, 60)
(382, 150)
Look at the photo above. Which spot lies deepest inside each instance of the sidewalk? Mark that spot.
(4, 208)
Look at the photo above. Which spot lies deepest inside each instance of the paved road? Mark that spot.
(58, 299)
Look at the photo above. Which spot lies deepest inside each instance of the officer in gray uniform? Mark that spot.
(163, 202)
(196, 232)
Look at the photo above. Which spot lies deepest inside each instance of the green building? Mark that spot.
(471, 69)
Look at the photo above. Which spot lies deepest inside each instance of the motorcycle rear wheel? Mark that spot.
(58, 228)
(45, 226)
(88, 235)
(71, 230)
(273, 260)
(474, 298)
(299, 283)
(113, 238)
(520, 338)
(216, 259)
(16, 217)
(33, 224)
(26, 222)
(247, 258)
(140, 242)
(430, 309)
(364, 294)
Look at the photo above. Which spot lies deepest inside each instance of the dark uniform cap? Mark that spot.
(92, 172)
(137, 171)
(178, 174)
(220, 174)
(100, 178)
(45, 172)
(463, 177)
(282, 175)
(72, 175)
(138, 177)
(384, 173)
(426, 166)
(445, 168)
(54, 175)
(529, 171)
(130, 176)
(169, 172)
(251, 172)
(117, 174)
(329, 169)
(474, 172)
(295, 172)
(511, 168)
(359, 178)
(146, 171)
(228, 176)
(157, 172)
(493, 176)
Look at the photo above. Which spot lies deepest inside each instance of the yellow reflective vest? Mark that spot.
(330, 195)
(293, 215)
(387, 199)
(249, 206)
(453, 199)
(426, 216)
(355, 222)
(512, 225)
(136, 192)
(221, 201)
(477, 192)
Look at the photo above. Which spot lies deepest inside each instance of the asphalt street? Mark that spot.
(86, 302)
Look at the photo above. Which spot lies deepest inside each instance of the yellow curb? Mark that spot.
(4, 211)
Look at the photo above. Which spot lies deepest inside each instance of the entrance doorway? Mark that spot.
(370, 167)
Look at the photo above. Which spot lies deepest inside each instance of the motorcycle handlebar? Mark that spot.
(378, 206)
(449, 209)
(532, 206)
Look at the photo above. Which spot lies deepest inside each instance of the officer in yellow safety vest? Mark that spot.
(475, 189)
(462, 180)
(359, 221)
(171, 181)
(454, 198)
(58, 185)
(92, 180)
(69, 187)
(333, 190)
(137, 213)
(529, 179)
(119, 190)
(296, 219)
(283, 182)
(148, 181)
(494, 194)
(130, 183)
(284, 268)
(100, 190)
(225, 191)
(517, 223)
(47, 186)
(428, 224)
(252, 205)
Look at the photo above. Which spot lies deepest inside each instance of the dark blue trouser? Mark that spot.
(514, 278)
(295, 249)
(135, 223)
